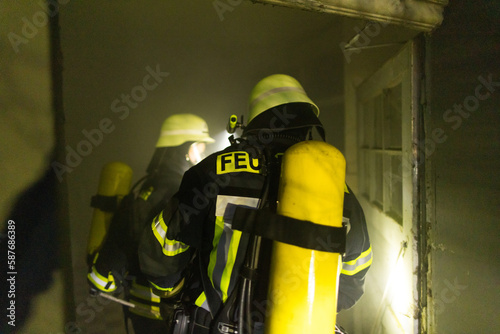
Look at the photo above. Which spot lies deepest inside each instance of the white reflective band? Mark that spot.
(355, 266)
(183, 132)
(159, 288)
(175, 248)
(161, 232)
(143, 292)
(170, 247)
(152, 312)
(274, 91)
(101, 283)
(222, 209)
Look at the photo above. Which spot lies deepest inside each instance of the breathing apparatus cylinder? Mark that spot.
(303, 283)
(114, 184)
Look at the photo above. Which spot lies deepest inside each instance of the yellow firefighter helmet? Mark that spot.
(181, 128)
(275, 90)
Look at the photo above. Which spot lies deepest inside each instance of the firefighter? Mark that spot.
(115, 267)
(198, 218)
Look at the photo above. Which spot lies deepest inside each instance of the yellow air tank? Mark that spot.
(303, 282)
(115, 180)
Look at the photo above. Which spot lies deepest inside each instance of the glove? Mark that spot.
(120, 282)
(339, 330)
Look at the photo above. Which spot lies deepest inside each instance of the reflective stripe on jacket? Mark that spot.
(225, 242)
(200, 217)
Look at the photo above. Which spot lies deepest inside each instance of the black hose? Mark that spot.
(241, 310)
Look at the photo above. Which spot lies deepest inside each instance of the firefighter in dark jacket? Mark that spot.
(198, 218)
(115, 267)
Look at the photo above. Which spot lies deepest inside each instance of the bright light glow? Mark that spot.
(398, 293)
(196, 152)
(221, 142)
(401, 289)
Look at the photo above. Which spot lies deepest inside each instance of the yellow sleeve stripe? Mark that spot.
(169, 247)
(160, 288)
(363, 261)
(100, 281)
(144, 310)
(144, 292)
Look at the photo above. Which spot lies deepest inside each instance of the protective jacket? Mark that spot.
(199, 217)
(116, 266)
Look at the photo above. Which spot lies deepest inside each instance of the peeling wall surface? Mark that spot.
(464, 183)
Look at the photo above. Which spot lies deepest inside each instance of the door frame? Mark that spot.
(408, 67)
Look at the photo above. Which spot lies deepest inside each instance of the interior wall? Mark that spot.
(464, 184)
(207, 62)
(33, 268)
(25, 65)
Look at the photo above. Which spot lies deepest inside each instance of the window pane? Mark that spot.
(392, 117)
(365, 173)
(367, 125)
(378, 112)
(379, 179)
(396, 187)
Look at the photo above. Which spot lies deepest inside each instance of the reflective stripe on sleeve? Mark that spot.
(169, 247)
(160, 288)
(144, 292)
(148, 311)
(363, 261)
(100, 281)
